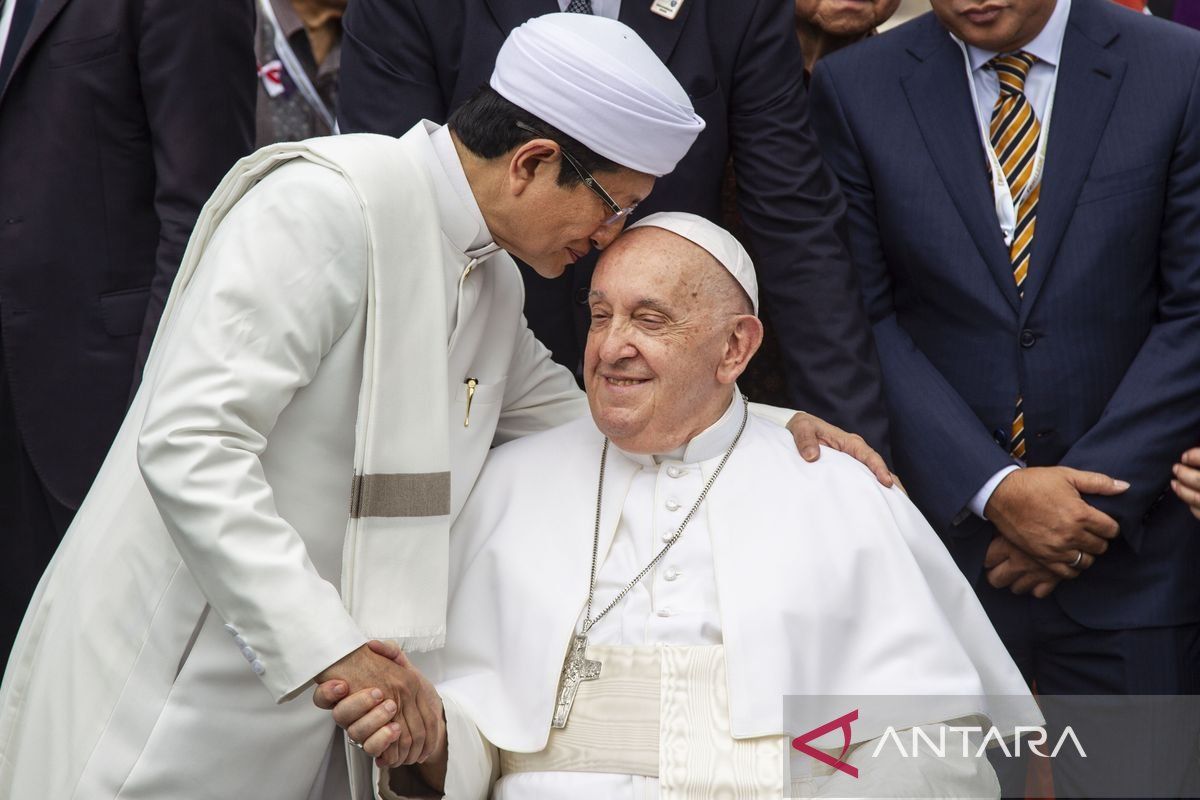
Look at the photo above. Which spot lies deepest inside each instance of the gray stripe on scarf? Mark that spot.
(416, 494)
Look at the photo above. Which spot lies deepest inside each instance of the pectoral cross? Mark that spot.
(576, 669)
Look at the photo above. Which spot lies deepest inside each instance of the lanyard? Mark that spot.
(1006, 205)
(294, 68)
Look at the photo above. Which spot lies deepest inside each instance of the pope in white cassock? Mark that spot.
(342, 346)
(633, 594)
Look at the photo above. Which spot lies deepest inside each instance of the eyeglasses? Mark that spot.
(618, 213)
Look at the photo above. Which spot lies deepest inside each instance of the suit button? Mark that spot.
(1001, 437)
(1028, 338)
(581, 295)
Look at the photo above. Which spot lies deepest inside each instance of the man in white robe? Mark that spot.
(343, 317)
(784, 578)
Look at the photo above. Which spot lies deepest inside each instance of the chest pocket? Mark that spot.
(80, 51)
(470, 442)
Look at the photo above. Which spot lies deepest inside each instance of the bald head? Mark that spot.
(671, 331)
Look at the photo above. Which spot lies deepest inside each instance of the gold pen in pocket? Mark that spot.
(471, 384)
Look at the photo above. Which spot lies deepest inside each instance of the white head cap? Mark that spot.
(720, 244)
(595, 80)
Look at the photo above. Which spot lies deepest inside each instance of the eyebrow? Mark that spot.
(645, 302)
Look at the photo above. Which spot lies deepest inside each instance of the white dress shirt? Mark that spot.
(1047, 47)
(600, 8)
(6, 15)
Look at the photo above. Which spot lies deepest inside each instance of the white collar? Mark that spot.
(462, 219)
(1046, 46)
(709, 443)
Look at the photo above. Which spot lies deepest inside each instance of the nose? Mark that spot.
(614, 344)
(605, 235)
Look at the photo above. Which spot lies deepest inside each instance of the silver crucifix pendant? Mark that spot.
(576, 668)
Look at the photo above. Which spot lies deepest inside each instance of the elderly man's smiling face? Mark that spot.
(671, 331)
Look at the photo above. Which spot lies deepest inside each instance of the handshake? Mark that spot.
(387, 708)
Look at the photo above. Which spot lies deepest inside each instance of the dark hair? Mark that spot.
(486, 124)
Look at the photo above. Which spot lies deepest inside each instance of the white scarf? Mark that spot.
(395, 559)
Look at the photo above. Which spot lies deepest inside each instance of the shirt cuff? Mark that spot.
(980, 500)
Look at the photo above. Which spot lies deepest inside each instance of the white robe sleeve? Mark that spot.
(281, 281)
(472, 767)
(884, 771)
(540, 393)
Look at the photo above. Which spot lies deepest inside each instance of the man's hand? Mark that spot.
(811, 432)
(415, 706)
(1041, 510)
(1187, 480)
(1008, 566)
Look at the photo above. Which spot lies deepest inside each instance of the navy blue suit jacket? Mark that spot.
(404, 60)
(117, 122)
(1105, 345)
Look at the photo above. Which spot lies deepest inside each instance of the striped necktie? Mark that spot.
(1015, 131)
(579, 7)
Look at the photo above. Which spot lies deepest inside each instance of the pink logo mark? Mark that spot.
(800, 743)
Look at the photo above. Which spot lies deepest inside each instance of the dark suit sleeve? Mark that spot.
(1155, 412)
(949, 451)
(791, 209)
(388, 80)
(197, 72)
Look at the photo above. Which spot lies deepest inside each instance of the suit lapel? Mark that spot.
(511, 13)
(1088, 79)
(940, 99)
(660, 33)
(47, 10)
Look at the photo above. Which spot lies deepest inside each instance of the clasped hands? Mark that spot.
(386, 706)
(1048, 531)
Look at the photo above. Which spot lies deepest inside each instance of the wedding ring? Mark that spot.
(356, 744)
(1078, 558)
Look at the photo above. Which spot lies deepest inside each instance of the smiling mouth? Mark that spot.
(624, 381)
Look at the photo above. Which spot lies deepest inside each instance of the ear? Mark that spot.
(526, 160)
(745, 337)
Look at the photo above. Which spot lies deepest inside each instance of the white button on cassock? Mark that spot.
(672, 504)
(671, 574)
(258, 667)
(249, 654)
(675, 472)
(239, 641)
(664, 612)
(666, 537)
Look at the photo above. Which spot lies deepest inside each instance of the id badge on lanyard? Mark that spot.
(292, 65)
(1006, 205)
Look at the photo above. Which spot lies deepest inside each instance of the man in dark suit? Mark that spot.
(741, 64)
(117, 120)
(1035, 299)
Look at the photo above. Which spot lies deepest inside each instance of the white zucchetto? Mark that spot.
(595, 80)
(720, 244)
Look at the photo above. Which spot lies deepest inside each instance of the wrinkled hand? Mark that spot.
(1187, 480)
(1007, 566)
(1041, 510)
(381, 672)
(811, 432)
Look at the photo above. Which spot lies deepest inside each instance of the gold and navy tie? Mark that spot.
(1015, 131)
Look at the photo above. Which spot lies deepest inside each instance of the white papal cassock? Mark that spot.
(140, 673)
(811, 579)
